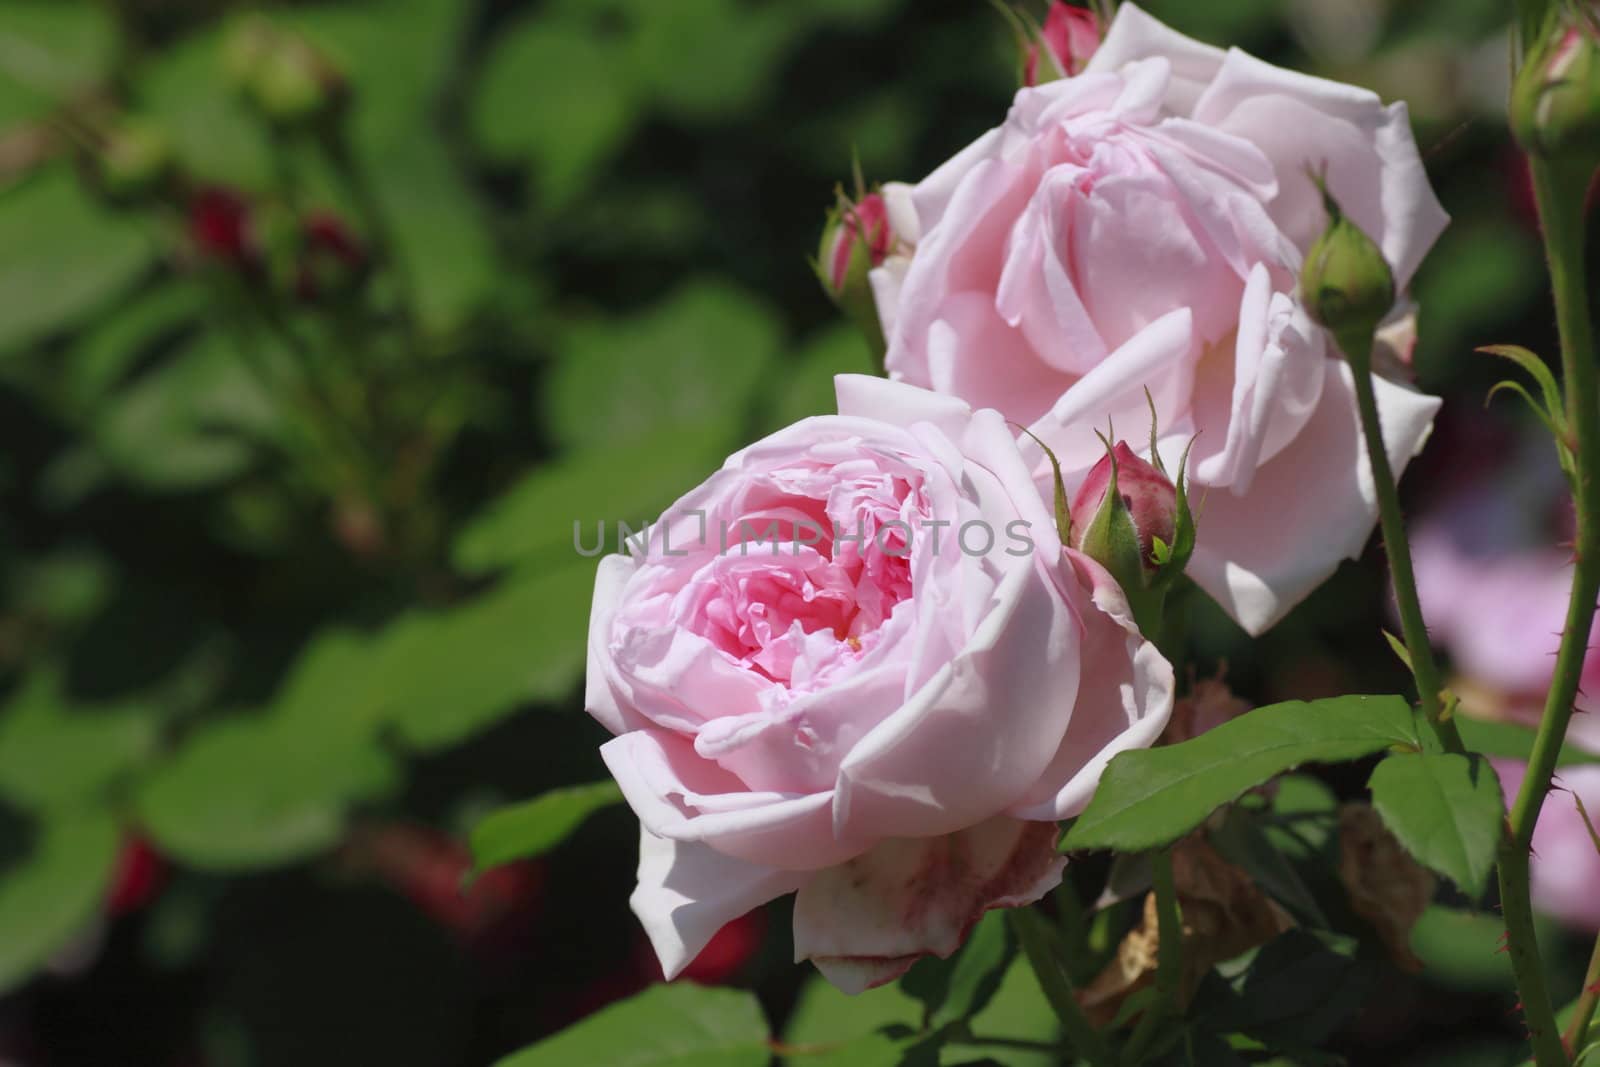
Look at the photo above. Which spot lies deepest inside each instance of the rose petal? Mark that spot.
(1135, 35)
(688, 891)
(1125, 698)
(1258, 558)
(864, 923)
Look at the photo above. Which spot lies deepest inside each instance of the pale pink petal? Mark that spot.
(898, 404)
(1135, 35)
(688, 891)
(1258, 558)
(679, 795)
(864, 923)
(1159, 358)
(599, 696)
(1125, 698)
(1301, 122)
(969, 741)
(1010, 377)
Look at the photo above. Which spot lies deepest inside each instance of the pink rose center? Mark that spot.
(809, 576)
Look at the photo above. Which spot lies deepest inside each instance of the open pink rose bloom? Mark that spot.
(1141, 227)
(880, 695)
(856, 664)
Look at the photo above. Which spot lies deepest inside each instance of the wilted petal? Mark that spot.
(867, 921)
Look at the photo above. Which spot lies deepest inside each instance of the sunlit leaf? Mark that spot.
(665, 1026)
(1446, 809)
(534, 827)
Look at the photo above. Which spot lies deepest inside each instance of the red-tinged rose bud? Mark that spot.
(1145, 495)
(856, 239)
(332, 261)
(1069, 37)
(221, 227)
(140, 874)
(1555, 100)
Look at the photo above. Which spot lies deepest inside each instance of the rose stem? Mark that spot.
(1358, 350)
(1169, 956)
(1033, 934)
(1560, 195)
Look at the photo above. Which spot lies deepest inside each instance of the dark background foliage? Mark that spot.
(288, 597)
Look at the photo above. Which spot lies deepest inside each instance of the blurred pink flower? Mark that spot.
(1565, 863)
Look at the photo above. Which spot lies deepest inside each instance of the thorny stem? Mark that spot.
(1560, 194)
(1583, 1013)
(1358, 350)
(1034, 935)
(1169, 957)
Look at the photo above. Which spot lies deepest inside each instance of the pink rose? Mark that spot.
(1565, 865)
(883, 710)
(1500, 616)
(1142, 226)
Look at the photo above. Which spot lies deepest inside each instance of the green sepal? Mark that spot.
(1063, 508)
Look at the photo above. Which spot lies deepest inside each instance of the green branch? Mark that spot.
(1560, 194)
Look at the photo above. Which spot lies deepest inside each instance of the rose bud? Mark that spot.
(332, 261)
(1346, 283)
(855, 239)
(1555, 100)
(140, 874)
(1123, 485)
(221, 227)
(288, 79)
(1069, 37)
(134, 161)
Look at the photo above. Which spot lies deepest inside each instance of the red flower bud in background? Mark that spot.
(140, 874)
(221, 228)
(1148, 496)
(1555, 99)
(332, 259)
(1069, 37)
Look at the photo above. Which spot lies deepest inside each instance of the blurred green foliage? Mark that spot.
(286, 542)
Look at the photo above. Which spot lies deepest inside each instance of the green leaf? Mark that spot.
(534, 827)
(1463, 950)
(1292, 993)
(103, 357)
(214, 137)
(198, 419)
(1446, 809)
(53, 753)
(62, 256)
(957, 988)
(446, 676)
(695, 357)
(665, 1026)
(50, 52)
(1241, 840)
(1512, 741)
(1152, 797)
(52, 895)
(595, 489)
(555, 94)
(1018, 1009)
(260, 791)
(824, 1016)
(441, 236)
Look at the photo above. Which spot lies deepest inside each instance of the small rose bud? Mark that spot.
(855, 239)
(1346, 283)
(135, 160)
(1069, 38)
(1555, 100)
(1144, 495)
(221, 228)
(288, 79)
(332, 261)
